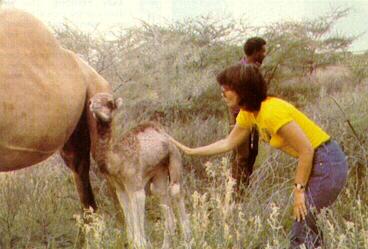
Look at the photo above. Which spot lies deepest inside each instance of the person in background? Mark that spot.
(244, 155)
(322, 169)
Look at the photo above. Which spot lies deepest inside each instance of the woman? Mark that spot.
(322, 169)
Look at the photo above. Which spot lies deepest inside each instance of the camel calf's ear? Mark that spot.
(118, 102)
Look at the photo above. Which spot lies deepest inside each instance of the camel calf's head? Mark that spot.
(103, 106)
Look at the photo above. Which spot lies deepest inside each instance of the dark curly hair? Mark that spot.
(253, 44)
(248, 82)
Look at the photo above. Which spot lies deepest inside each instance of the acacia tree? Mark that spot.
(298, 47)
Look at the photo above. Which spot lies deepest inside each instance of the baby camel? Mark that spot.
(143, 155)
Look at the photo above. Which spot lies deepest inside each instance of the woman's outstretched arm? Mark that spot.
(236, 136)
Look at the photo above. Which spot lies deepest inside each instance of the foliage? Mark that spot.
(167, 74)
(297, 48)
(358, 64)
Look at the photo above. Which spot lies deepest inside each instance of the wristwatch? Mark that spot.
(299, 186)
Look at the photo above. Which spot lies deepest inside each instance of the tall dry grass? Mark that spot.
(167, 75)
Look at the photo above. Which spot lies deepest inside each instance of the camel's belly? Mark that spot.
(28, 136)
(17, 159)
(40, 106)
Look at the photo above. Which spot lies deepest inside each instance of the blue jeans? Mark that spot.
(327, 179)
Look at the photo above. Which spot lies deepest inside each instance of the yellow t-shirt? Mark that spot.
(274, 114)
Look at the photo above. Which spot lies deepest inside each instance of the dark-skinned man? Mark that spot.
(244, 155)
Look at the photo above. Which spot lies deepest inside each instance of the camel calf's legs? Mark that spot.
(175, 168)
(124, 202)
(159, 187)
(133, 204)
(115, 200)
(183, 218)
(138, 201)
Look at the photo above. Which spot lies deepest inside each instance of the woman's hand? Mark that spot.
(236, 136)
(300, 209)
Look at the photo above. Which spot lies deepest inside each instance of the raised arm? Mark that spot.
(236, 136)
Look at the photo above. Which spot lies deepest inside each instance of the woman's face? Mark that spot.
(230, 96)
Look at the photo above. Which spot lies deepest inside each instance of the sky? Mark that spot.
(86, 14)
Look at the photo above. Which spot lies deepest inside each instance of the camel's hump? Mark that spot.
(22, 31)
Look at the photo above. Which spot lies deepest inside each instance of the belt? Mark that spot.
(323, 144)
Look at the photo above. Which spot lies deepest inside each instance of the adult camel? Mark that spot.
(44, 90)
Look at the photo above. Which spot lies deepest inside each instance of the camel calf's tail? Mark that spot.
(175, 162)
(175, 170)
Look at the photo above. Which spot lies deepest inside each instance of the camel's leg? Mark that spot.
(175, 168)
(76, 154)
(133, 204)
(159, 187)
